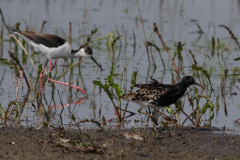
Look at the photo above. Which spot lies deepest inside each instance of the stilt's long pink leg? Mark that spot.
(79, 88)
(50, 64)
(50, 67)
(40, 76)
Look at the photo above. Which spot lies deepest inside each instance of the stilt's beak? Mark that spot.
(199, 85)
(97, 63)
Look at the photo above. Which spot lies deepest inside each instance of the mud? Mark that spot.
(179, 143)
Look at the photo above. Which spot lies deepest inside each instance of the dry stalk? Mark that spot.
(83, 121)
(160, 37)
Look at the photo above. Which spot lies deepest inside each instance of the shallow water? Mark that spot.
(176, 20)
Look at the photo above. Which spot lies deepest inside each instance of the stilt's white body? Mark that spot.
(63, 51)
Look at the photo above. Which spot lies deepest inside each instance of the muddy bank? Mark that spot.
(27, 143)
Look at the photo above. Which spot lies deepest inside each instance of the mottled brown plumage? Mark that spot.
(158, 94)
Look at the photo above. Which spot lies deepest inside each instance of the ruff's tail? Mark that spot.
(127, 96)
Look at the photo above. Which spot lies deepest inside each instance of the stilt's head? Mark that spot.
(86, 51)
(188, 80)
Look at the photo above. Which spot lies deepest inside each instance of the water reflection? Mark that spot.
(177, 21)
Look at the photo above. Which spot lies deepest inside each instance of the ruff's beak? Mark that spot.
(199, 85)
(96, 63)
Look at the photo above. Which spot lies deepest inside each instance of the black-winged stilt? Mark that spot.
(53, 47)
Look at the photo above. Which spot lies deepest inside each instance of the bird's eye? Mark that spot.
(191, 79)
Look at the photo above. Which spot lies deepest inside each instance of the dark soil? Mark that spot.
(179, 144)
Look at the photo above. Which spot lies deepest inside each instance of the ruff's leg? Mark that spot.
(79, 88)
(125, 110)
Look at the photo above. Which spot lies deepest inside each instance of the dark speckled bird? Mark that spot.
(158, 94)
